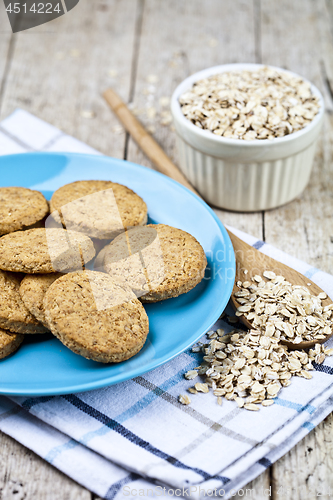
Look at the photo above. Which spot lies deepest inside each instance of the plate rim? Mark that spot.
(124, 376)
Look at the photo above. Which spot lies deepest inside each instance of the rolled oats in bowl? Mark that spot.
(247, 134)
(261, 104)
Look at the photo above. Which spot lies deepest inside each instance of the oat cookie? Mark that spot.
(100, 209)
(38, 251)
(96, 317)
(158, 261)
(20, 207)
(33, 289)
(14, 316)
(9, 342)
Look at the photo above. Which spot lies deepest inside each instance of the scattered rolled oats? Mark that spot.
(191, 374)
(267, 402)
(184, 399)
(259, 104)
(151, 112)
(152, 78)
(251, 368)
(86, 113)
(320, 358)
(251, 406)
(201, 387)
(166, 118)
(305, 374)
(164, 101)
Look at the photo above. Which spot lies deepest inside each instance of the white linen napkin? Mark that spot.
(136, 435)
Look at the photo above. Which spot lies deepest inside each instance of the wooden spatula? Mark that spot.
(247, 257)
(255, 262)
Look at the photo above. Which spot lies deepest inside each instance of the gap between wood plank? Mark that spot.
(272, 483)
(64, 6)
(135, 59)
(329, 7)
(10, 52)
(257, 30)
(258, 59)
(328, 86)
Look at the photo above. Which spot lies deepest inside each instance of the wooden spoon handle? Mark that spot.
(144, 140)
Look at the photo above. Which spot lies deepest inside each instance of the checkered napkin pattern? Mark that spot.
(135, 435)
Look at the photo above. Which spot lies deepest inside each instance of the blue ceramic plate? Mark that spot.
(42, 365)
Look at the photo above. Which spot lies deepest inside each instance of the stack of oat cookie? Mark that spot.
(50, 279)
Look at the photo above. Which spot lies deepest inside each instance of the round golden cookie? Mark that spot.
(33, 289)
(96, 317)
(14, 316)
(9, 342)
(20, 207)
(38, 251)
(157, 261)
(100, 209)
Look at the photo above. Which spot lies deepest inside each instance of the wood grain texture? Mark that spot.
(292, 36)
(59, 70)
(258, 489)
(305, 472)
(6, 47)
(324, 20)
(24, 475)
(303, 227)
(180, 38)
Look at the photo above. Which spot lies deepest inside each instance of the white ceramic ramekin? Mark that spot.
(244, 175)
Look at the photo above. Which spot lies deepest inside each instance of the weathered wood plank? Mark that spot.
(6, 46)
(305, 472)
(325, 19)
(291, 38)
(26, 475)
(180, 38)
(257, 489)
(303, 227)
(60, 69)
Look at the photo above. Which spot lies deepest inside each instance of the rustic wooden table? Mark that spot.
(144, 48)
